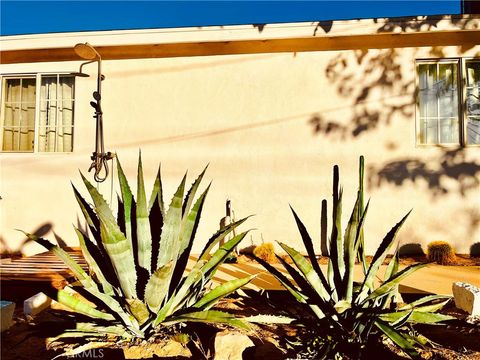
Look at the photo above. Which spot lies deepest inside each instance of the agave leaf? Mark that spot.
(209, 316)
(219, 235)
(418, 339)
(286, 283)
(391, 270)
(77, 270)
(349, 252)
(128, 204)
(110, 330)
(392, 267)
(191, 223)
(117, 246)
(186, 239)
(269, 319)
(144, 238)
(361, 241)
(303, 298)
(156, 218)
(87, 281)
(397, 338)
(331, 278)
(342, 306)
(401, 320)
(81, 307)
(73, 334)
(426, 299)
(168, 308)
(92, 219)
(191, 193)
(307, 270)
(211, 266)
(139, 310)
(157, 287)
(106, 286)
(307, 240)
(389, 285)
(381, 253)
(336, 244)
(207, 301)
(300, 281)
(415, 316)
(157, 193)
(171, 228)
(221, 254)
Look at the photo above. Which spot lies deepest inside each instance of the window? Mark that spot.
(37, 113)
(442, 116)
(472, 74)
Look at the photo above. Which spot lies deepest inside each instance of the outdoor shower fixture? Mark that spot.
(99, 157)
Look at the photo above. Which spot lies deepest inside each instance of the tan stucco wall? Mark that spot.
(253, 117)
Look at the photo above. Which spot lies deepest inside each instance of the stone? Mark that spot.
(467, 297)
(165, 349)
(6, 314)
(231, 345)
(36, 304)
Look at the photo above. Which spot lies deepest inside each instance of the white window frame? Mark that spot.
(462, 101)
(38, 84)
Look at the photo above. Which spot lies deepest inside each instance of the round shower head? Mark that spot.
(86, 51)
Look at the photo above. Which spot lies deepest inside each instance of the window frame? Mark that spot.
(462, 101)
(38, 83)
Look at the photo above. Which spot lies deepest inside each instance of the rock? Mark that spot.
(474, 320)
(467, 297)
(36, 304)
(6, 314)
(230, 345)
(163, 350)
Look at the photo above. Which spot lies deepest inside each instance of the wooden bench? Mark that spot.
(22, 276)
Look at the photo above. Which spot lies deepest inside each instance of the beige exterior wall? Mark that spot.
(271, 126)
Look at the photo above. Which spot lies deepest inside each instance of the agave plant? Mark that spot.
(138, 280)
(346, 312)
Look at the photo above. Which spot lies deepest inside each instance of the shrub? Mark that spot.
(346, 313)
(138, 260)
(441, 252)
(266, 252)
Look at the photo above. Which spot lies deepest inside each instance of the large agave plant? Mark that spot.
(138, 280)
(347, 312)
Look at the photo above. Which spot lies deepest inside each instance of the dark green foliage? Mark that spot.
(344, 312)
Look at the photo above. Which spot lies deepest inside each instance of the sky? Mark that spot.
(31, 17)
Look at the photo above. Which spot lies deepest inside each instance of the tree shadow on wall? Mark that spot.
(374, 78)
(374, 81)
(377, 94)
(437, 174)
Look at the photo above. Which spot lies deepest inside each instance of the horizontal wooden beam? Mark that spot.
(350, 42)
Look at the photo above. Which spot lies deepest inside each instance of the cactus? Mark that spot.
(345, 312)
(441, 252)
(138, 259)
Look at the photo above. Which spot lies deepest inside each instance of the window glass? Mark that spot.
(473, 101)
(55, 123)
(438, 103)
(19, 115)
